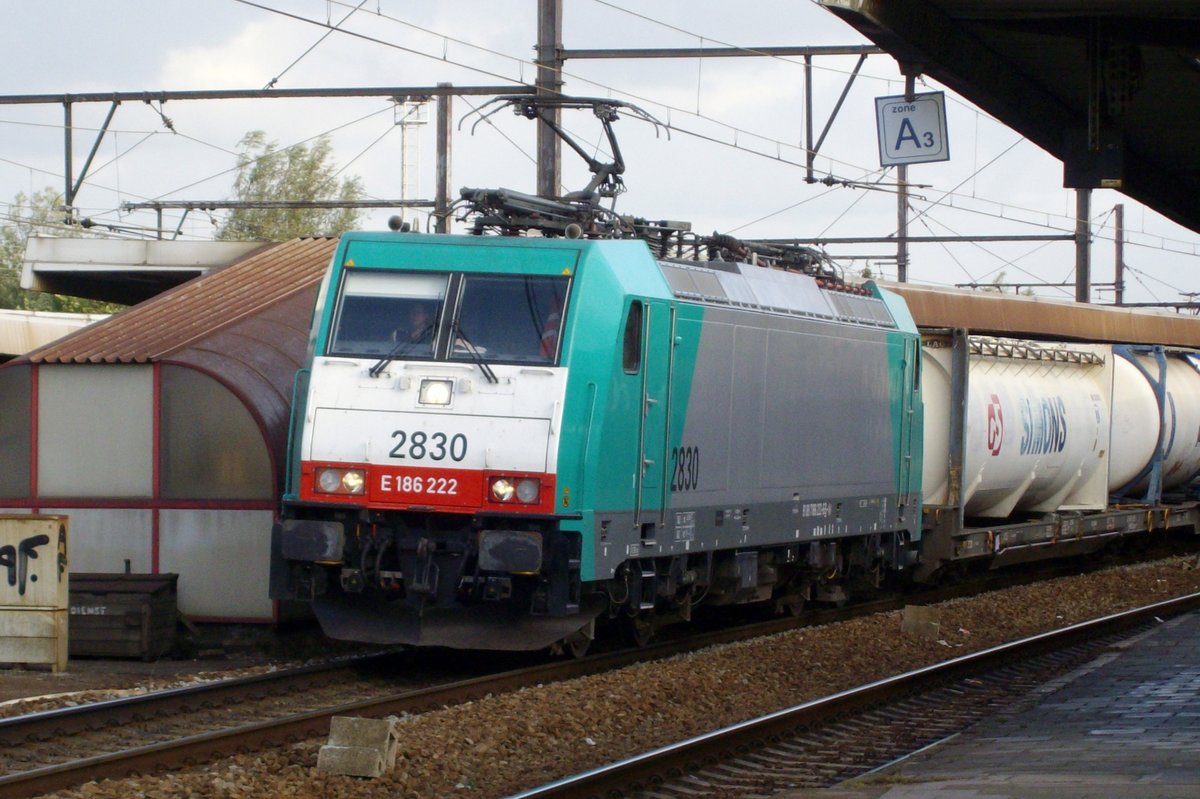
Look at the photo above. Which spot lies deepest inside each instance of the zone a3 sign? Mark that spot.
(912, 131)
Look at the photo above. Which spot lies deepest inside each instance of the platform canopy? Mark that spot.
(22, 331)
(1110, 87)
(122, 270)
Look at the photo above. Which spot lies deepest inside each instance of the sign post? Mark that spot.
(33, 590)
(912, 130)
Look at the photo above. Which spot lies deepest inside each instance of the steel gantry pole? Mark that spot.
(1119, 255)
(1083, 241)
(441, 202)
(68, 167)
(549, 84)
(910, 86)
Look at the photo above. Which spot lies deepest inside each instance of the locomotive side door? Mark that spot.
(909, 387)
(654, 446)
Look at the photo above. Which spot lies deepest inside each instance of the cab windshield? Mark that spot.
(455, 316)
(382, 312)
(516, 319)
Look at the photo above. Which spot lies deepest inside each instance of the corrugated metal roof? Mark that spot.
(201, 308)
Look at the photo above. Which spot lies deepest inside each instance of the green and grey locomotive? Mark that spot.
(500, 440)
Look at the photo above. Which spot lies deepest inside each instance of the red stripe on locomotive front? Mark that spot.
(409, 488)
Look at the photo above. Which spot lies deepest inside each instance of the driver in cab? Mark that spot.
(418, 326)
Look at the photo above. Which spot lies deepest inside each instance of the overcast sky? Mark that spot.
(732, 163)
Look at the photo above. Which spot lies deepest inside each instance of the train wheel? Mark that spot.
(638, 630)
(791, 605)
(576, 645)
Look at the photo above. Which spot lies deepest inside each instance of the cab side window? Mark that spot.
(632, 351)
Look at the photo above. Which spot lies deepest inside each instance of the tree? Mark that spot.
(26, 217)
(994, 287)
(297, 173)
(997, 286)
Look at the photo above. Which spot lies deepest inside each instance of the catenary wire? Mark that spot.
(749, 150)
(305, 141)
(736, 130)
(271, 83)
(779, 144)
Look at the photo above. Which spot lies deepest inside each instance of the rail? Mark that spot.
(656, 766)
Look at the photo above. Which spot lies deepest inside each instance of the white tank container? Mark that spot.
(1135, 422)
(1037, 427)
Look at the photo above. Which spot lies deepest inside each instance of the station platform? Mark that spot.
(1124, 726)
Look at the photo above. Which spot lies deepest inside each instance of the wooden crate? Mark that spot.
(123, 615)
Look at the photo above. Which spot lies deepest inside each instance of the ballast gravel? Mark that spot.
(503, 744)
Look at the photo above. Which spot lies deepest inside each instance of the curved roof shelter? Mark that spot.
(162, 431)
(1110, 87)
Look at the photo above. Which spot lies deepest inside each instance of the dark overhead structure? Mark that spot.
(1111, 87)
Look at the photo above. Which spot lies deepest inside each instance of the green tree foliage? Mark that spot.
(29, 216)
(997, 286)
(297, 173)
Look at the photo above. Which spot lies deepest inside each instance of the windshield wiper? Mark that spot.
(476, 356)
(401, 348)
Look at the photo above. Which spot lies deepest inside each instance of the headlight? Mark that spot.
(341, 481)
(502, 489)
(526, 489)
(353, 482)
(436, 392)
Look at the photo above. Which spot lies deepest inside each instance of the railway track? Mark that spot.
(119, 724)
(158, 731)
(166, 730)
(828, 740)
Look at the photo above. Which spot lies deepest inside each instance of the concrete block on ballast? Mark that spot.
(359, 747)
(353, 731)
(353, 761)
(921, 621)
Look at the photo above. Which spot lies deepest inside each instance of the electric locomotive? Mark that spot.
(501, 440)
